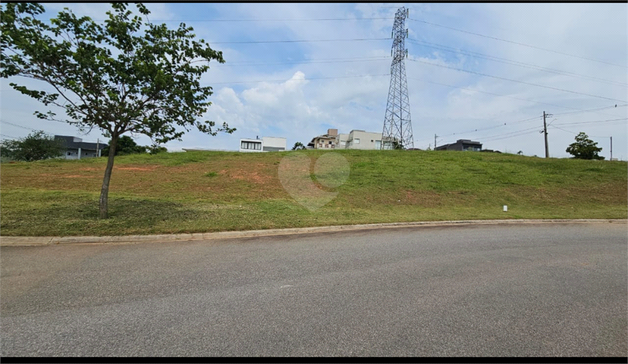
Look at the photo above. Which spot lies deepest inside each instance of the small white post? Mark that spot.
(79, 153)
(505, 208)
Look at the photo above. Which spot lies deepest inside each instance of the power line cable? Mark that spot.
(500, 95)
(299, 41)
(306, 62)
(574, 133)
(517, 81)
(517, 43)
(485, 138)
(537, 128)
(8, 136)
(533, 129)
(593, 122)
(263, 20)
(304, 79)
(591, 110)
(492, 127)
(510, 136)
(512, 62)
(19, 126)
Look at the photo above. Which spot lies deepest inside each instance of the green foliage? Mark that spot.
(126, 145)
(584, 148)
(397, 145)
(121, 76)
(156, 149)
(298, 146)
(211, 174)
(36, 146)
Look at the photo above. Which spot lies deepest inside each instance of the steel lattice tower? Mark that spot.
(397, 125)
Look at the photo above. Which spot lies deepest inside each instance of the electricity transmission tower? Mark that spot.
(397, 131)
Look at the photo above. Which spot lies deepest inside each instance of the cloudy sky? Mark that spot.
(475, 71)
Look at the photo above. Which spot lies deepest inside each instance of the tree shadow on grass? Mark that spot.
(79, 216)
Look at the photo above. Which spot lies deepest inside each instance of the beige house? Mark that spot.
(341, 141)
(360, 139)
(325, 141)
(356, 139)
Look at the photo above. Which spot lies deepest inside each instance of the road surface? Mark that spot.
(524, 290)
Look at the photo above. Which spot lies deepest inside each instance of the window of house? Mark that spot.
(378, 144)
(356, 140)
(330, 142)
(69, 153)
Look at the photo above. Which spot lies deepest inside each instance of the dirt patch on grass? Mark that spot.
(250, 176)
(75, 176)
(137, 168)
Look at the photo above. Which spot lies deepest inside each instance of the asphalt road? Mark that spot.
(529, 290)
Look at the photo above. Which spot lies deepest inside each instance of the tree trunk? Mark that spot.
(104, 192)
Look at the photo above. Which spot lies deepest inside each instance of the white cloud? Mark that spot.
(301, 105)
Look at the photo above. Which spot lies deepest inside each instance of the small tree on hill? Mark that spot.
(120, 76)
(584, 148)
(298, 146)
(155, 149)
(126, 145)
(36, 146)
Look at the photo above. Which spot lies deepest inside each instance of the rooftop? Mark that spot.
(73, 142)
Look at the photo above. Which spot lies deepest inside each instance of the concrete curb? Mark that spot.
(53, 240)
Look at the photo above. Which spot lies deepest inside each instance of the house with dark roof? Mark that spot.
(462, 145)
(76, 148)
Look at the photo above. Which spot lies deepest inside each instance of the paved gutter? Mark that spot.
(52, 240)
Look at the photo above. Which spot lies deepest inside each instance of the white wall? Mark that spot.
(274, 142)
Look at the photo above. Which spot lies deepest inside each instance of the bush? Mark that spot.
(36, 146)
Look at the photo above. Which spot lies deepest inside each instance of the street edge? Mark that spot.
(54, 240)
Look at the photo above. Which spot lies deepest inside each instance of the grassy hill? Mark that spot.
(217, 191)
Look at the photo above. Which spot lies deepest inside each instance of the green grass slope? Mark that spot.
(218, 191)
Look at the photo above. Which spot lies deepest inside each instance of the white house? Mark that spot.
(76, 148)
(266, 144)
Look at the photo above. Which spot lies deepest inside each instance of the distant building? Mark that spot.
(325, 141)
(266, 144)
(341, 140)
(356, 139)
(360, 139)
(462, 145)
(76, 148)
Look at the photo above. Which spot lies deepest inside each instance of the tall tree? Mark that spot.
(123, 75)
(35, 146)
(584, 148)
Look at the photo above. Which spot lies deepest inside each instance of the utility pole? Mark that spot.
(611, 148)
(97, 145)
(545, 132)
(435, 140)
